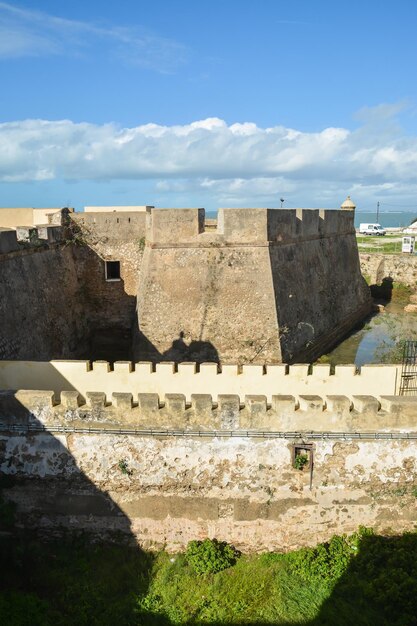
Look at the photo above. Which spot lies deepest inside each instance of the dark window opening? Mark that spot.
(112, 270)
(302, 456)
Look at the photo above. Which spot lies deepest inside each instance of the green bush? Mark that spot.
(210, 556)
(23, 609)
(327, 561)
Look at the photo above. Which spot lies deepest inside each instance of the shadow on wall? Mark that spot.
(110, 310)
(383, 291)
(56, 511)
(63, 503)
(179, 352)
(55, 303)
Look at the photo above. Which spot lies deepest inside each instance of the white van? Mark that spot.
(371, 229)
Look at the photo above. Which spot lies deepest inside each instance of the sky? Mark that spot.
(215, 103)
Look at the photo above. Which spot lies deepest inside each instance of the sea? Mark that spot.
(387, 219)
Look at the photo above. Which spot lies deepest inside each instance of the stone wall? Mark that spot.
(262, 286)
(110, 305)
(42, 310)
(54, 299)
(402, 268)
(256, 286)
(168, 487)
(189, 379)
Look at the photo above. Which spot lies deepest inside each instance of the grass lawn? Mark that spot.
(388, 244)
(362, 580)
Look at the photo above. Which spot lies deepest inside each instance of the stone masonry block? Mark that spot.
(187, 369)
(38, 404)
(311, 403)
(209, 368)
(256, 405)
(70, 399)
(96, 399)
(122, 366)
(8, 241)
(345, 371)
(122, 400)
(148, 402)
(202, 404)
(26, 233)
(175, 404)
(143, 367)
(322, 370)
(228, 411)
(253, 371)
(365, 404)
(51, 234)
(396, 405)
(39, 399)
(338, 404)
(299, 370)
(101, 366)
(167, 367)
(282, 405)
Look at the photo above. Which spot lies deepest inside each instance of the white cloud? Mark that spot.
(25, 32)
(235, 164)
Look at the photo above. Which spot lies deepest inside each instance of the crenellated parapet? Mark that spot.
(227, 415)
(254, 286)
(190, 379)
(253, 227)
(26, 237)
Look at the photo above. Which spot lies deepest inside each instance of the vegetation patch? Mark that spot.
(388, 244)
(210, 556)
(362, 579)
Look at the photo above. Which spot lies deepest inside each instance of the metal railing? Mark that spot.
(155, 432)
(408, 382)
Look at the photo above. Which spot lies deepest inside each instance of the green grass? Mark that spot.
(363, 580)
(388, 244)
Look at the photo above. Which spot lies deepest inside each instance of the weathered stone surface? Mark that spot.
(401, 268)
(410, 308)
(122, 400)
(53, 279)
(70, 399)
(242, 490)
(232, 289)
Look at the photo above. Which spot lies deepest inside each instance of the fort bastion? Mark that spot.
(144, 362)
(253, 286)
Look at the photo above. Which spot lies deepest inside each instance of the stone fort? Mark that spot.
(155, 378)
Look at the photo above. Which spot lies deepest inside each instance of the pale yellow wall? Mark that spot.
(373, 380)
(40, 216)
(11, 218)
(111, 209)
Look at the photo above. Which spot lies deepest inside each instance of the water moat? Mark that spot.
(380, 338)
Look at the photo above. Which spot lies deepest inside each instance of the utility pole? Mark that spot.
(377, 212)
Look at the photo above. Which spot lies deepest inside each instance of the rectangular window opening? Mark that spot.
(302, 456)
(112, 269)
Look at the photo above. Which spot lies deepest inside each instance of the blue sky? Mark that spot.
(220, 103)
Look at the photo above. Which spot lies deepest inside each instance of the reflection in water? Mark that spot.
(376, 340)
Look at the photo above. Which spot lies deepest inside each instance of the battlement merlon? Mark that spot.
(188, 379)
(150, 413)
(23, 238)
(245, 226)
